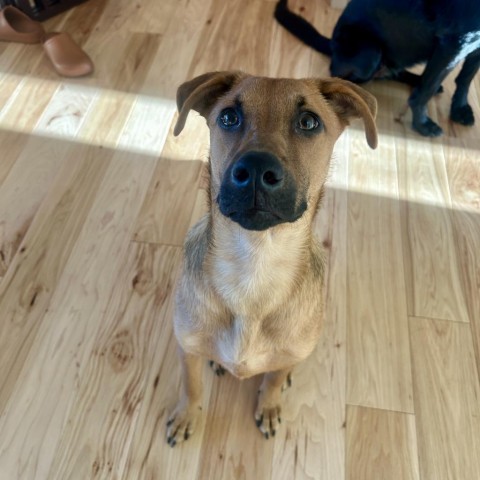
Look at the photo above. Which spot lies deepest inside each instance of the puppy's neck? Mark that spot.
(255, 271)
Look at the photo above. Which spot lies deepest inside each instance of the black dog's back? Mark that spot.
(406, 30)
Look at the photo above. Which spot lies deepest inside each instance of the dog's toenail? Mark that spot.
(259, 421)
(266, 435)
(273, 433)
(186, 435)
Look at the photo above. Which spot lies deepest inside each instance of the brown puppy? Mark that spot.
(250, 294)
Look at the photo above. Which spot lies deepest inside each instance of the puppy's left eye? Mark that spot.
(308, 122)
(229, 118)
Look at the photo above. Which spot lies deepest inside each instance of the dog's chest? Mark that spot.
(244, 349)
(468, 44)
(252, 278)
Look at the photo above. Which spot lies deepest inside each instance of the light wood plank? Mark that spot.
(166, 213)
(433, 275)
(447, 403)
(378, 372)
(229, 423)
(29, 102)
(125, 353)
(463, 170)
(12, 145)
(66, 111)
(107, 119)
(122, 59)
(9, 87)
(27, 288)
(148, 125)
(146, 17)
(177, 49)
(36, 413)
(339, 3)
(21, 60)
(225, 46)
(381, 444)
(25, 186)
(171, 197)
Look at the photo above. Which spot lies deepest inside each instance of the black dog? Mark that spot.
(380, 38)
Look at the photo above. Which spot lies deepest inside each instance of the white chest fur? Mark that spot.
(468, 44)
(255, 271)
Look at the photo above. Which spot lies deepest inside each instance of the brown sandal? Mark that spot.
(68, 59)
(15, 26)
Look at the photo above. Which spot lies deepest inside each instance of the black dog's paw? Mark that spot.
(462, 114)
(217, 368)
(427, 128)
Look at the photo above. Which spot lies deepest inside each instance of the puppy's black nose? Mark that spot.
(260, 170)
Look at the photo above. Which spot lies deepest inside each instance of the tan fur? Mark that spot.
(251, 301)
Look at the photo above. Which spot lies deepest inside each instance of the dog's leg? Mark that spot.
(411, 79)
(269, 405)
(460, 111)
(183, 420)
(438, 67)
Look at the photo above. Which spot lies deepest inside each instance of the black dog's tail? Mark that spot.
(299, 27)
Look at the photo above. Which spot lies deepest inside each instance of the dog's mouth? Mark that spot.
(259, 218)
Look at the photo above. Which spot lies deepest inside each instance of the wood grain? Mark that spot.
(112, 387)
(37, 410)
(434, 276)
(446, 399)
(172, 194)
(378, 372)
(381, 444)
(25, 187)
(27, 288)
(463, 170)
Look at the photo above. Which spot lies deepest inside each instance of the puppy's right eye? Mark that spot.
(229, 118)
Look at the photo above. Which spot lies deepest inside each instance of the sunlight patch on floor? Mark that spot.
(72, 108)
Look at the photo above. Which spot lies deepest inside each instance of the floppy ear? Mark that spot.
(201, 93)
(351, 101)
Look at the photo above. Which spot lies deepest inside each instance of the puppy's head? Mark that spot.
(356, 55)
(271, 140)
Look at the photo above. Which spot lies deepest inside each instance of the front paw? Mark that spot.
(427, 127)
(182, 423)
(269, 409)
(268, 419)
(462, 114)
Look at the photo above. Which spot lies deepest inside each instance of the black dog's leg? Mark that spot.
(460, 111)
(438, 67)
(411, 79)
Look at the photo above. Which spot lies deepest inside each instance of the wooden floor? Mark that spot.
(95, 199)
